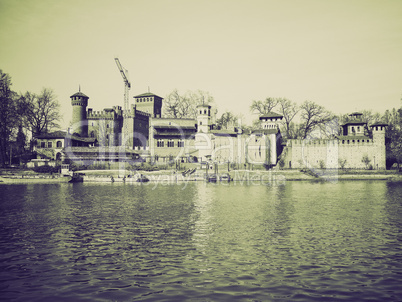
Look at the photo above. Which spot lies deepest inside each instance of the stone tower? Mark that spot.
(378, 131)
(270, 131)
(204, 118)
(79, 101)
(149, 103)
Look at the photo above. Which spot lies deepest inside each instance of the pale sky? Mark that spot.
(343, 55)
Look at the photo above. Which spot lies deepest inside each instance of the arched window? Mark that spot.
(92, 134)
(59, 144)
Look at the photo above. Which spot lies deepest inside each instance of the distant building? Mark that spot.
(358, 140)
(98, 135)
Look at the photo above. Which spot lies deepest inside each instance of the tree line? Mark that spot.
(28, 115)
(308, 120)
(23, 117)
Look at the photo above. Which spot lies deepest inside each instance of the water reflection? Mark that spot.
(299, 241)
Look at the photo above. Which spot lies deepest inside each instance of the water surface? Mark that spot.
(298, 241)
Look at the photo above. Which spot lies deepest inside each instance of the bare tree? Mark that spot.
(41, 111)
(184, 106)
(289, 110)
(263, 107)
(172, 103)
(9, 117)
(227, 118)
(312, 117)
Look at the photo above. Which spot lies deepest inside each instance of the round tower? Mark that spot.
(204, 118)
(79, 101)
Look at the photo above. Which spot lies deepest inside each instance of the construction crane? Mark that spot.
(125, 139)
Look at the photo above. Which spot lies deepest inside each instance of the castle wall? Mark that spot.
(105, 126)
(140, 134)
(329, 153)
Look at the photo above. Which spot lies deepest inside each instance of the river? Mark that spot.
(293, 241)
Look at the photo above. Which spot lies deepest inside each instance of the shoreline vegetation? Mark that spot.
(21, 176)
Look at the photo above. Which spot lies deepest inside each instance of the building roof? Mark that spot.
(64, 134)
(147, 94)
(355, 113)
(102, 150)
(224, 132)
(355, 122)
(379, 124)
(55, 134)
(271, 115)
(265, 131)
(178, 127)
(83, 139)
(79, 94)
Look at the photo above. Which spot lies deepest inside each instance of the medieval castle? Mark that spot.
(98, 136)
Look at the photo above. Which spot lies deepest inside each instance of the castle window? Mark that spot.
(92, 134)
(49, 144)
(107, 125)
(59, 144)
(43, 145)
(180, 143)
(348, 141)
(170, 143)
(358, 128)
(353, 129)
(160, 143)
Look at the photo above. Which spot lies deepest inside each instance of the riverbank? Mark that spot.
(278, 176)
(33, 179)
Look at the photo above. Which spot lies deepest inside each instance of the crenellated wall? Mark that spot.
(331, 153)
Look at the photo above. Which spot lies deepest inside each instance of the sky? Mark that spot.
(343, 55)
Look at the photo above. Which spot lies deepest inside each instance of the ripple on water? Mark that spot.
(206, 243)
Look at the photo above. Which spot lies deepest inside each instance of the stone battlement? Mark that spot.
(138, 112)
(101, 115)
(322, 142)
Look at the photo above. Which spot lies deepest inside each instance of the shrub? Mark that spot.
(322, 164)
(366, 160)
(281, 163)
(342, 163)
(46, 169)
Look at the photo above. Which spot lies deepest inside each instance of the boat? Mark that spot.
(225, 177)
(135, 178)
(212, 178)
(77, 177)
(142, 178)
